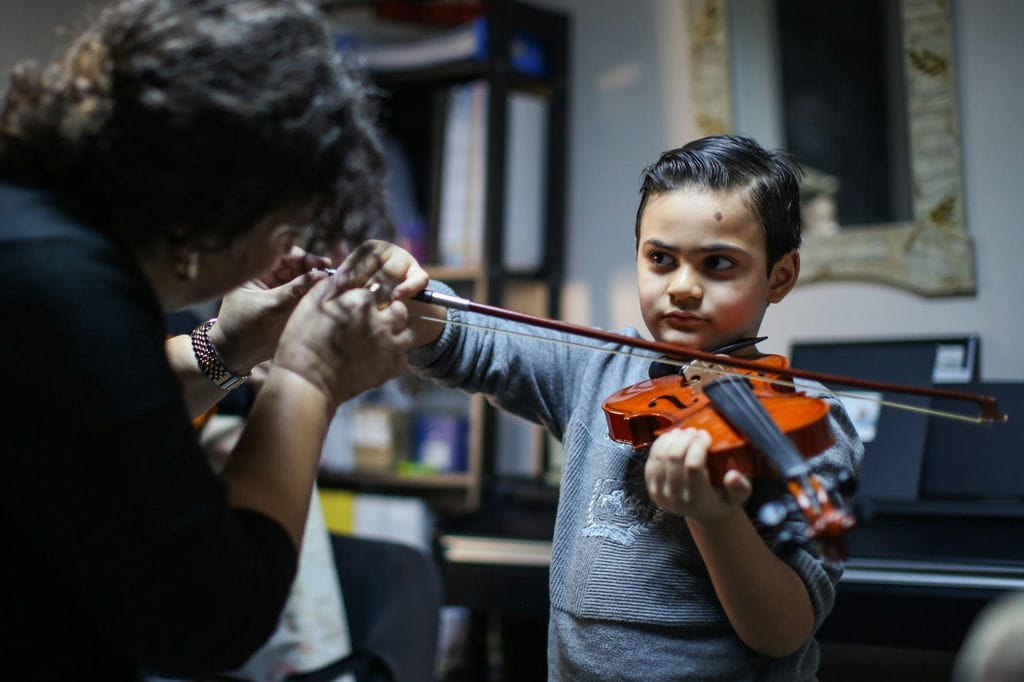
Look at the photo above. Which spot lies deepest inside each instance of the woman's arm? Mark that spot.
(249, 324)
(330, 351)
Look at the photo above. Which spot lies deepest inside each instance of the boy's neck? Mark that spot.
(743, 348)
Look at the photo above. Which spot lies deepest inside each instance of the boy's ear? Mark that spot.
(783, 276)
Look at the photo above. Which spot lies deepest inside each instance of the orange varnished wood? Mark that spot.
(640, 413)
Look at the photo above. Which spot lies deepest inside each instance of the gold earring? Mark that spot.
(188, 267)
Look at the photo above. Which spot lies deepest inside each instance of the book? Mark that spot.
(339, 510)
(463, 174)
(476, 196)
(380, 437)
(407, 520)
(368, 432)
(495, 550)
(411, 228)
(440, 442)
(441, 12)
(451, 221)
(469, 41)
(525, 181)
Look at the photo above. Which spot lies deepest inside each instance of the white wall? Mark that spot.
(35, 29)
(629, 89)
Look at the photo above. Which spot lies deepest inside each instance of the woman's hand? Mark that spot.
(251, 317)
(399, 275)
(346, 344)
(677, 478)
(329, 351)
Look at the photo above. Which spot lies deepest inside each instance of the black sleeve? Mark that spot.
(104, 482)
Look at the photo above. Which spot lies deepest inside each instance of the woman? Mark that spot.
(174, 153)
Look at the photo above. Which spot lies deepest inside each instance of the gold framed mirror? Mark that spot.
(930, 254)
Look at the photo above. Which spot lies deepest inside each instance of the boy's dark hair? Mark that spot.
(194, 120)
(770, 181)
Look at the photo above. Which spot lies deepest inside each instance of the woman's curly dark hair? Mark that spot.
(192, 120)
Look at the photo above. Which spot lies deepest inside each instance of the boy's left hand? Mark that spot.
(677, 478)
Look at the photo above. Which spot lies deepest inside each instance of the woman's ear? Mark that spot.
(783, 276)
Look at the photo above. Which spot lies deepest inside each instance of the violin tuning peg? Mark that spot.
(772, 514)
(846, 484)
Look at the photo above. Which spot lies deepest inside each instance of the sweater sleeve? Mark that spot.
(530, 371)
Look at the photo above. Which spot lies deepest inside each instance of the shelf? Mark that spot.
(440, 73)
(456, 72)
(450, 273)
(460, 134)
(364, 480)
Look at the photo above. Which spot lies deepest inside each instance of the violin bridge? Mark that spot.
(697, 372)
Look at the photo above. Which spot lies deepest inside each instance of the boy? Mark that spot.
(655, 574)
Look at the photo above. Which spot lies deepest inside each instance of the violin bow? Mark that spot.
(988, 408)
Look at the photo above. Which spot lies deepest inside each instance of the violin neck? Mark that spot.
(734, 399)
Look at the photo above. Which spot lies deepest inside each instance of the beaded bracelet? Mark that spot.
(209, 362)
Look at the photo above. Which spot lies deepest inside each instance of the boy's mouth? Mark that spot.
(683, 321)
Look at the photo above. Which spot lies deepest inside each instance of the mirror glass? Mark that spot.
(863, 92)
(843, 114)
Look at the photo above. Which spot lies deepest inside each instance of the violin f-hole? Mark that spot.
(670, 398)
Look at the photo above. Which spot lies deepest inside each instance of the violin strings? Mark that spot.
(720, 369)
(788, 383)
(795, 467)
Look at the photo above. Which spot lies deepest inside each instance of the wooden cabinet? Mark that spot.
(480, 136)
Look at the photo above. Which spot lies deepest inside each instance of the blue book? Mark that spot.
(466, 42)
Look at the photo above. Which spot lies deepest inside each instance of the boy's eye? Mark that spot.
(660, 258)
(719, 263)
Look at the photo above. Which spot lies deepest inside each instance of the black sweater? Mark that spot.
(118, 550)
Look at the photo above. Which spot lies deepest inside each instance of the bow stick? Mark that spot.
(988, 407)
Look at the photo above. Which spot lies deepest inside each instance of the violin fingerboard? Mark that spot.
(734, 399)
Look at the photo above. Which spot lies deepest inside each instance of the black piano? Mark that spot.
(940, 501)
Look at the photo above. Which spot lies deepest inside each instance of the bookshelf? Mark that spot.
(477, 111)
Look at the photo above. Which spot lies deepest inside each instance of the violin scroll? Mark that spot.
(828, 524)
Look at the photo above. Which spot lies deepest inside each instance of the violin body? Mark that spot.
(640, 413)
(757, 428)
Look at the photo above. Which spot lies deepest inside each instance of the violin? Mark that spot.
(759, 423)
(758, 427)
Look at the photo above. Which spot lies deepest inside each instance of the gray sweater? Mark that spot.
(631, 598)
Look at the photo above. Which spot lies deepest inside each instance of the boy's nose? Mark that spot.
(686, 284)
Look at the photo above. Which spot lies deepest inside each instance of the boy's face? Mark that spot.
(702, 269)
